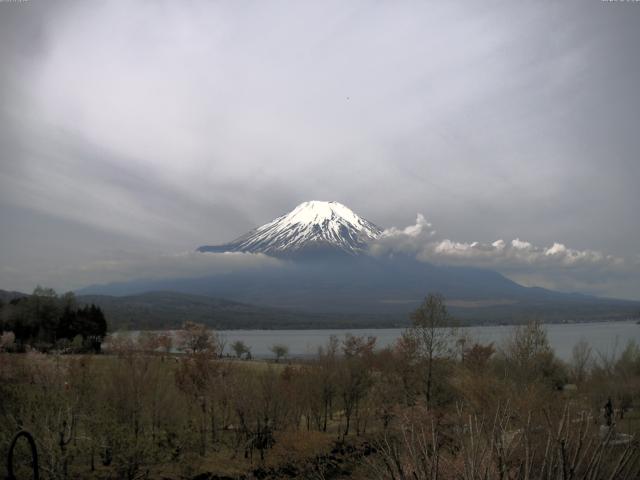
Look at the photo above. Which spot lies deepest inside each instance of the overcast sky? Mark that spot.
(134, 130)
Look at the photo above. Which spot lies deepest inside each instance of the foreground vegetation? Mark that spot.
(433, 406)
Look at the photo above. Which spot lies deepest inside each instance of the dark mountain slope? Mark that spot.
(389, 288)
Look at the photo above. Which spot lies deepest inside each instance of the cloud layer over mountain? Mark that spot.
(554, 266)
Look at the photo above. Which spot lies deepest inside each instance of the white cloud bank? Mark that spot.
(556, 266)
(519, 252)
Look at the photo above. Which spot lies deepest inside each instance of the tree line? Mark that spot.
(47, 321)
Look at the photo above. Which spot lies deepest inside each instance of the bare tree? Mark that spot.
(240, 348)
(280, 351)
(197, 338)
(355, 376)
(7, 341)
(580, 360)
(327, 365)
(165, 343)
(432, 330)
(528, 356)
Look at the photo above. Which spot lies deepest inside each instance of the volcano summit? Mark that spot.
(312, 228)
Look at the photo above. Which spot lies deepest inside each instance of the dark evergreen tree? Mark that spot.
(67, 325)
(43, 319)
(92, 325)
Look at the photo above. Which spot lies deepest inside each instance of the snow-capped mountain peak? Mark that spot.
(327, 215)
(310, 227)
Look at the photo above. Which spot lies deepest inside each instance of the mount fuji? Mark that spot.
(326, 269)
(313, 228)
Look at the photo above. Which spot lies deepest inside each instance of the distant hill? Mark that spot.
(160, 310)
(169, 310)
(364, 287)
(6, 296)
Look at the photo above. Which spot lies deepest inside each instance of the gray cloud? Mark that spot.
(161, 126)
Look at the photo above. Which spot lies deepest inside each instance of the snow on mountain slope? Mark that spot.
(311, 226)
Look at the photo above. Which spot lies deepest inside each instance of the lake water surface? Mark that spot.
(609, 338)
(606, 338)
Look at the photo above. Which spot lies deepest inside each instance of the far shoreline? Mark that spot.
(635, 320)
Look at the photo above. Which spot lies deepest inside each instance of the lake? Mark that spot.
(609, 338)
